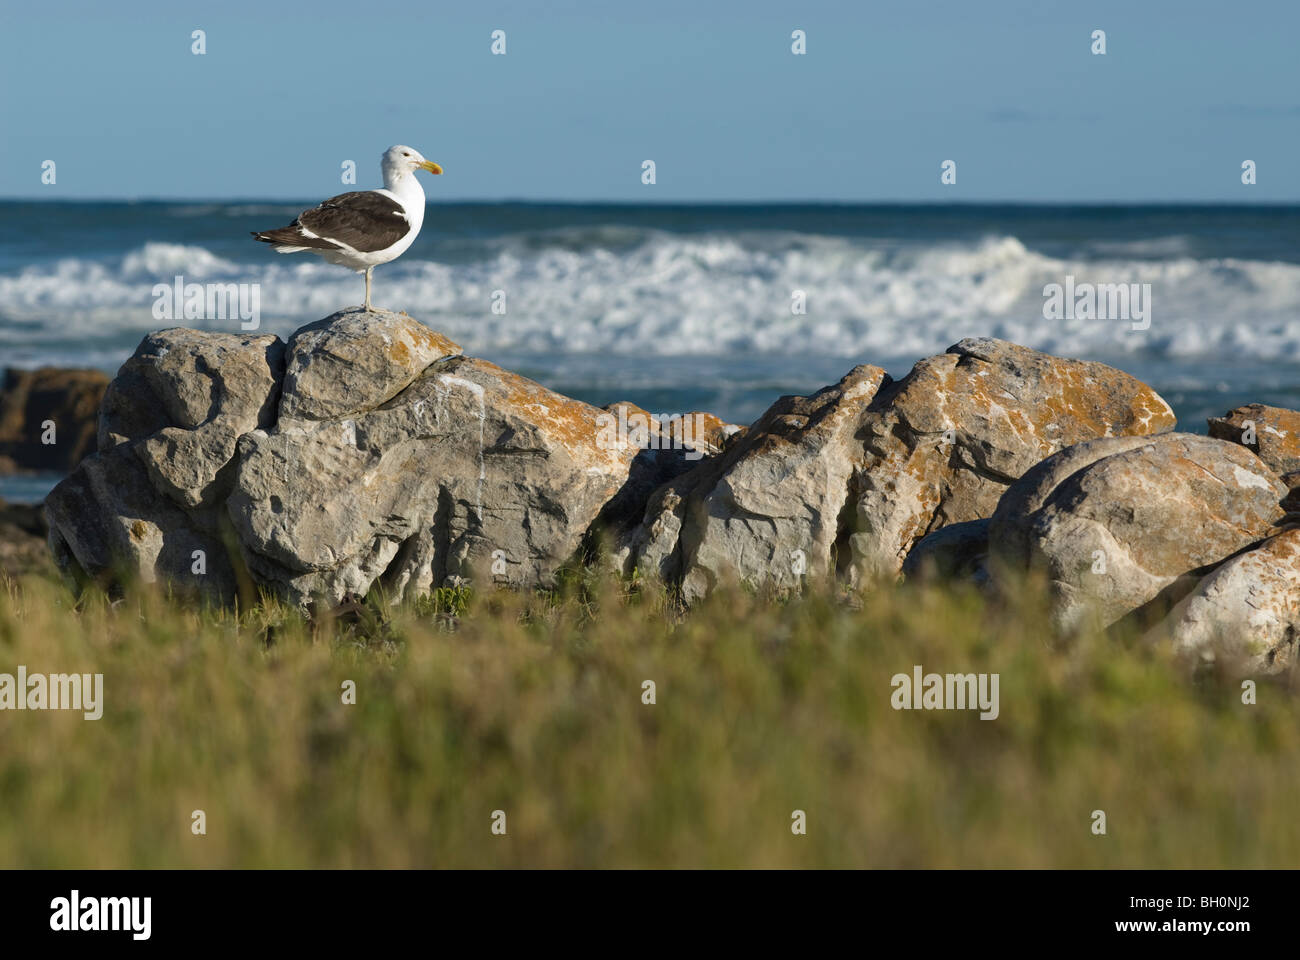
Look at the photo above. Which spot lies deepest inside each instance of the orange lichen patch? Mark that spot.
(424, 340)
(434, 341)
(669, 430)
(584, 431)
(139, 530)
(699, 431)
(1069, 401)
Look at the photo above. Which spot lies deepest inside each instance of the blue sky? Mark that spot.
(710, 91)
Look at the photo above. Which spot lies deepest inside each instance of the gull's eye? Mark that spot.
(406, 154)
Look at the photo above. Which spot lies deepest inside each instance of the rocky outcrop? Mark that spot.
(1116, 521)
(850, 479)
(470, 472)
(368, 451)
(1246, 612)
(945, 442)
(768, 511)
(48, 418)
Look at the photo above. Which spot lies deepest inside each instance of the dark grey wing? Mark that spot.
(365, 220)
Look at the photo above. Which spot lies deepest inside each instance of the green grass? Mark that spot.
(468, 704)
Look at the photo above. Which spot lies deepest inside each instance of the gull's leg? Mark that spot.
(368, 269)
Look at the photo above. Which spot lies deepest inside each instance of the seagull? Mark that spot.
(363, 229)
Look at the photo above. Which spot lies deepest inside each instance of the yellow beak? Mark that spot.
(430, 166)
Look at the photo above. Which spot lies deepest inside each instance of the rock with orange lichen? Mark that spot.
(1245, 615)
(1115, 522)
(369, 452)
(470, 472)
(947, 440)
(850, 479)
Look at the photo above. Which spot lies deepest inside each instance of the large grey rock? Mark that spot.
(1114, 523)
(368, 451)
(948, 439)
(1245, 613)
(470, 471)
(768, 511)
(851, 479)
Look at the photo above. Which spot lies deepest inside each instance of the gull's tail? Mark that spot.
(292, 239)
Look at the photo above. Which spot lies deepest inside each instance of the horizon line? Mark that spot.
(543, 202)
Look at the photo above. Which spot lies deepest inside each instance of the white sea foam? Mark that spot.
(648, 292)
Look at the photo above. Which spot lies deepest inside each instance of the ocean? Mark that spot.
(681, 308)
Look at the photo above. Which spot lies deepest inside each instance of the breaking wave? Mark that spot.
(638, 291)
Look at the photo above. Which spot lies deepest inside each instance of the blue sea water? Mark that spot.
(682, 308)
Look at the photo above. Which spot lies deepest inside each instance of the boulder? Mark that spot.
(369, 450)
(850, 479)
(1115, 522)
(1011, 527)
(31, 399)
(767, 511)
(945, 442)
(1245, 613)
(1273, 433)
(469, 472)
